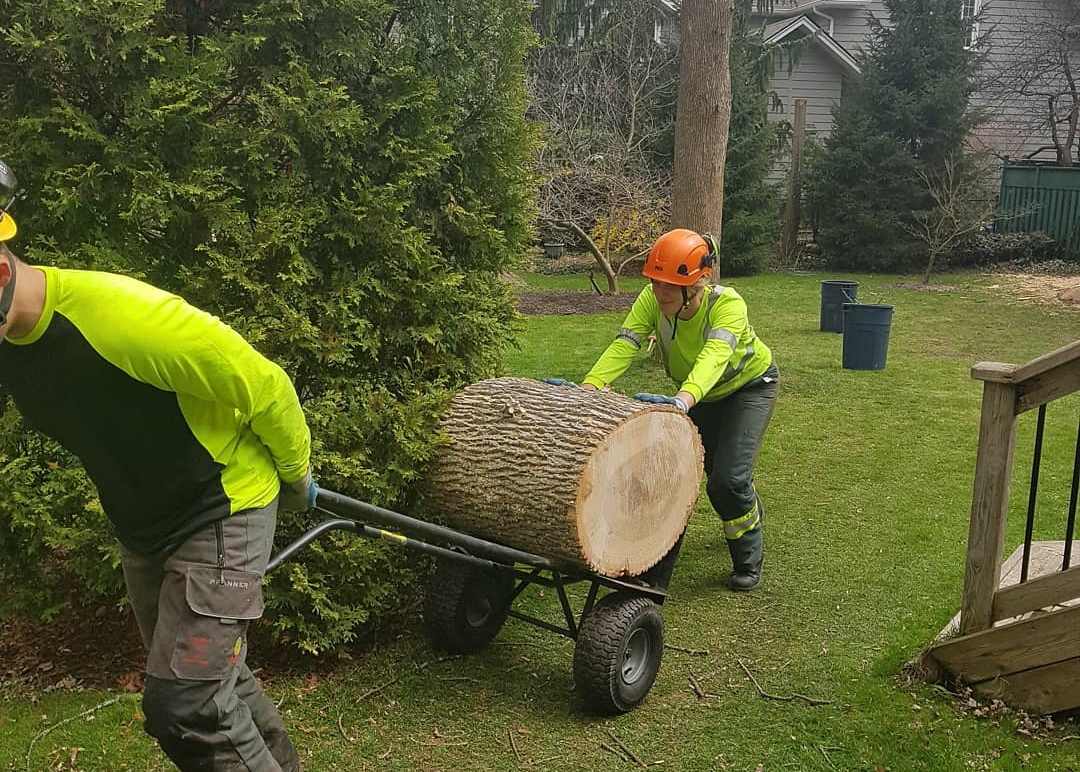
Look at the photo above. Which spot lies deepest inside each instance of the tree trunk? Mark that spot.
(591, 479)
(703, 111)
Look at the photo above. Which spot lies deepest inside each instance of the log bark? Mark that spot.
(591, 479)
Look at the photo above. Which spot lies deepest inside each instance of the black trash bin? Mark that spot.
(866, 335)
(833, 296)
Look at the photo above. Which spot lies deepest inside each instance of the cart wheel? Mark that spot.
(619, 647)
(466, 606)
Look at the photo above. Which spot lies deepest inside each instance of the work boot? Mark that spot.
(747, 556)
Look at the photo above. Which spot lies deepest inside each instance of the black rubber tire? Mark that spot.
(611, 671)
(465, 606)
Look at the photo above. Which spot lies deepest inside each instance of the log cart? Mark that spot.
(619, 635)
(551, 486)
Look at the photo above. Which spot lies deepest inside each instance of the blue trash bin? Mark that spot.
(866, 335)
(833, 296)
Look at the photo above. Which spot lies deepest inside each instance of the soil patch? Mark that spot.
(1040, 288)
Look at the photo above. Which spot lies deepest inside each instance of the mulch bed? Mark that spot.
(89, 648)
(566, 303)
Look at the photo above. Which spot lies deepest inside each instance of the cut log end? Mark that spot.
(637, 492)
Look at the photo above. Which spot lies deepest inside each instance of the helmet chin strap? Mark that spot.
(7, 297)
(685, 303)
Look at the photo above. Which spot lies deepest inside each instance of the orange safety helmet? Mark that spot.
(681, 257)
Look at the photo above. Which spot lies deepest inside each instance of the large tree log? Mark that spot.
(591, 479)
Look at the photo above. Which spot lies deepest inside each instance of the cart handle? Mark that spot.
(377, 533)
(344, 506)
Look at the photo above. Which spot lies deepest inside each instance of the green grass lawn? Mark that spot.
(867, 477)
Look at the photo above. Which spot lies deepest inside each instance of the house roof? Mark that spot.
(779, 30)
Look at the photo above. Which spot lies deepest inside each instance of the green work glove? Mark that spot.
(299, 496)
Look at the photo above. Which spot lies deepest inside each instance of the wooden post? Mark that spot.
(793, 210)
(989, 505)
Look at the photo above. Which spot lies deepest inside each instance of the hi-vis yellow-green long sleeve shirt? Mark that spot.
(710, 356)
(177, 419)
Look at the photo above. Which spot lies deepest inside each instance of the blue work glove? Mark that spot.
(660, 399)
(299, 496)
(559, 382)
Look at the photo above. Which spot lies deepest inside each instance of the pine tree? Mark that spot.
(909, 111)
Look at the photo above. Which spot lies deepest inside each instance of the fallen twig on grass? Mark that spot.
(695, 687)
(778, 697)
(46, 730)
(341, 728)
(395, 679)
(630, 753)
(691, 652)
(513, 743)
(378, 689)
(614, 750)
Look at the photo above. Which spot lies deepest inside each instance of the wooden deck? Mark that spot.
(1030, 657)
(1017, 642)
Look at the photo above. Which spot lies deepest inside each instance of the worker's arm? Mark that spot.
(728, 322)
(636, 328)
(161, 340)
(226, 368)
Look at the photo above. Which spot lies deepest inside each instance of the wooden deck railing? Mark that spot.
(1008, 391)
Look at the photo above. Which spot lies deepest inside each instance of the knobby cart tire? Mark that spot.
(619, 647)
(466, 606)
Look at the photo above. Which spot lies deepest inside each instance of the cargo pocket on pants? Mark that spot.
(211, 640)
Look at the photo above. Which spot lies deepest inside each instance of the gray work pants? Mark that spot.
(731, 430)
(193, 606)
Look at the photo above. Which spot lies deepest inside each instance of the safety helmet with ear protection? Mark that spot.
(681, 257)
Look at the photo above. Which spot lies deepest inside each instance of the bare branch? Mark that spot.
(604, 103)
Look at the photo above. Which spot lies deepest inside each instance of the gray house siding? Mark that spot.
(817, 78)
(853, 24)
(1010, 30)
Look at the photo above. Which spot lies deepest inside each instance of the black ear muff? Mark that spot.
(714, 252)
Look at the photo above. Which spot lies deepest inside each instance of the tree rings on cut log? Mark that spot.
(591, 479)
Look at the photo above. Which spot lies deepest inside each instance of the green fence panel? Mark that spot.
(1039, 197)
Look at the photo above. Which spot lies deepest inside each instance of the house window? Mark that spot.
(969, 9)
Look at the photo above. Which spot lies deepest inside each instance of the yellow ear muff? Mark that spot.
(7, 227)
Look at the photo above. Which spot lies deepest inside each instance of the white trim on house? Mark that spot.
(777, 31)
(971, 8)
(802, 8)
